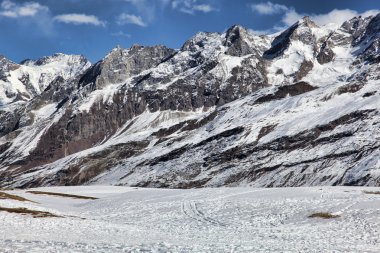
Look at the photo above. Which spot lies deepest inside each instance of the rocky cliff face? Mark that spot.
(300, 108)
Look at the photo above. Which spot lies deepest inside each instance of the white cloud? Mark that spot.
(79, 19)
(272, 30)
(126, 18)
(191, 6)
(30, 9)
(339, 16)
(268, 8)
(370, 13)
(8, 14)
(145, 8)
(291, 16)
(6, 4)
(334, 16)
(121, 34)
(203, 8)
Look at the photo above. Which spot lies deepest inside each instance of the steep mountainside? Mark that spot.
(297, 108)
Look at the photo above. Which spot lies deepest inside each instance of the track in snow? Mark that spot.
(197, 220)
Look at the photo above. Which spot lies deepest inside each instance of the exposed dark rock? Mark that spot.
(93, 165)
(283, 91)
(326, 54)
(368, 94)
(350, 88)
(8, 121)
(170, 156)
(225, 134)
(287, 143)
(264, 131)
(4, 147)
(120, 64)
(305, 68)
(236, 38)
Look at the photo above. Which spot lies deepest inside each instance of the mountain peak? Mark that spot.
(57, 57)
(236, 26)
(235, 30)
(199, 40)
(306, 21)
(238, 41)
(6, 64)
(135, 47)
(118, 50)
(299, 31)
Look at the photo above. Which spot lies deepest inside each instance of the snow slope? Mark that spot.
(199, 220)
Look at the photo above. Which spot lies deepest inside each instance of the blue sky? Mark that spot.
(35, 28)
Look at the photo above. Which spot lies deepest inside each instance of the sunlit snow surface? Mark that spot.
(197, 220)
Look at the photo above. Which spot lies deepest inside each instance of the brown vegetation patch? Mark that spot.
(25, 211)
(4, 195)
(372, 192)
(323, 215)
(61, 195)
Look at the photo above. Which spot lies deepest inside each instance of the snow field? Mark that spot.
(197, 220)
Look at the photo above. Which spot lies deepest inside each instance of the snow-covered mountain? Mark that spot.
(30, 78)
(296, 108)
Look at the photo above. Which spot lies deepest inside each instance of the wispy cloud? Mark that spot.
(146, 11)
(10, 9)
(35, 16)
(121, 34)
(126, 18)
(146, 8)
(79, 19)
(272, 30)
(42, 16)
(291, 16)
(203, 8)
(192, 6)
(269, 8)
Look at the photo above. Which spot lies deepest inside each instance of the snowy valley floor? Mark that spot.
(126, 219)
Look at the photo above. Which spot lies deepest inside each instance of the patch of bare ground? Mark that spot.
(372, 192)
(4, 195)
(25, 211)
(323, 215)
(61, 195)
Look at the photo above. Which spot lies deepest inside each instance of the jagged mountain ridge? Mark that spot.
(300, 108)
